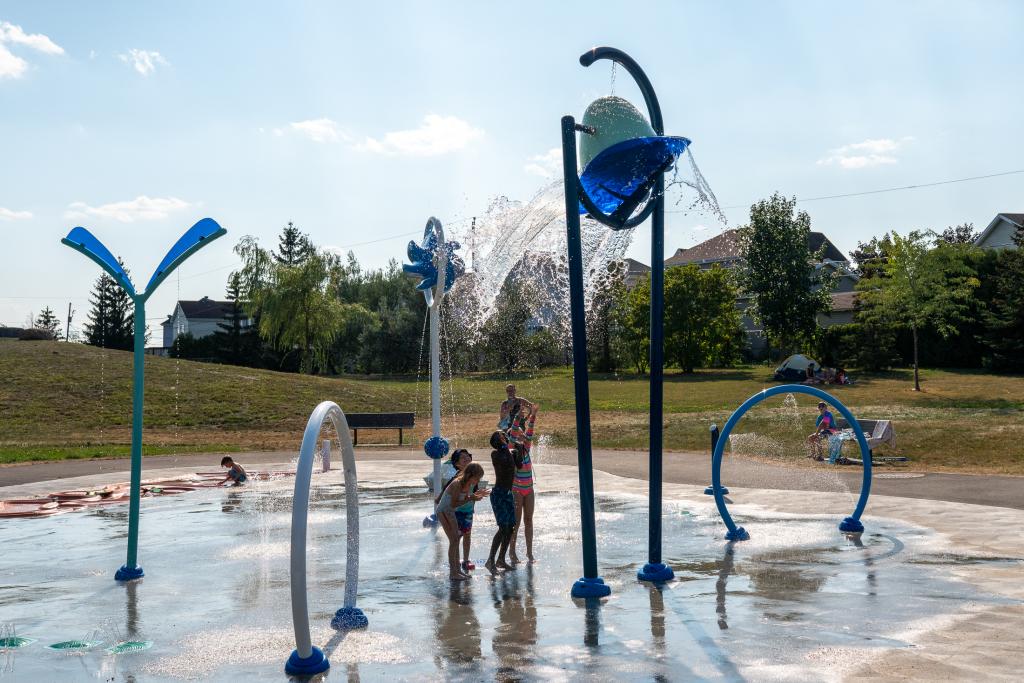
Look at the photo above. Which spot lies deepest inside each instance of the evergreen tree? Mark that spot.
(959, 234)
(111, 319)
(1004, 317)
(231, 331)
(781, 275)
(294, 246)
(49, 322)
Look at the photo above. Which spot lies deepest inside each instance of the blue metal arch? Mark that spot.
(851, 523)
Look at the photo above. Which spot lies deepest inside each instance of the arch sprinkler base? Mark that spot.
(315, 663)
(126, 573)
(348, 618)
(656, 572)
(851, 524)
(590, 588)
(306, 659)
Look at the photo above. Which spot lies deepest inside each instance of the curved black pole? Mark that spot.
(655, 569)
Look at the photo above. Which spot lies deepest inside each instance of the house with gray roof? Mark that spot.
(724, 250)
(198, 318)
(999, 233)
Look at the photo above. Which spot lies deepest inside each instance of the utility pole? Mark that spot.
(67, 330)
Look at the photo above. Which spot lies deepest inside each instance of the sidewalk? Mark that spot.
(679, 468)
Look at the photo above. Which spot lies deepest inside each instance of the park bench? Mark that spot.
(876, 433)
(399, 421)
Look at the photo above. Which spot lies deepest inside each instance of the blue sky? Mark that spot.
(358, 122)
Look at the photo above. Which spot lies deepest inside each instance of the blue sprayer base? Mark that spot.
(737, 534)
(348, 618)
(126, 573)
(314, 664)
(710, 491)
(430, 521)
(590, 588)
(851, 526)
(655, 572)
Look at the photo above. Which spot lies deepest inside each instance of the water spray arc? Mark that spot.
(435, 261)
(625, 159)
(306, 659)
(851, 524)
(194, 239)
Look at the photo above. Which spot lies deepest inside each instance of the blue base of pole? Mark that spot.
(851, 525)
(126, 573)
(655, 572)
(430, 520)
(590, 588)
(315, 663)
(710, 491)
(348, 618)
(737, 534)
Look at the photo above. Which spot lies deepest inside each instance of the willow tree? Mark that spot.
(294, 302)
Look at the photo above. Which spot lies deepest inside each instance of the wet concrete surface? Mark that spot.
(680, 468)
(799, 601)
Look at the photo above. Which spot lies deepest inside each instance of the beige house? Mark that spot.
(724, 250)
(999, 233)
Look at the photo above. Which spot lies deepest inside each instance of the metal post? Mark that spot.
(590, 585)
(710, 490)
(131, 569)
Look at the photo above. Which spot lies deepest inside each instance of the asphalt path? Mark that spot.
(680, 468)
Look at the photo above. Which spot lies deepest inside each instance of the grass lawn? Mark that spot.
(73, 401)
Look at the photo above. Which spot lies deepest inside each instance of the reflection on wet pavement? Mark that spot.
(215, 596)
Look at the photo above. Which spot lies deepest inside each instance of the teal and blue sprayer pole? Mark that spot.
(436, 263)
(628, 169)
(80, 239)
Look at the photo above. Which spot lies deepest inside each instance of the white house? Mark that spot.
(198, 318)
(999, 233)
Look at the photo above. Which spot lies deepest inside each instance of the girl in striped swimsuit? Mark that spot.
(521, 434)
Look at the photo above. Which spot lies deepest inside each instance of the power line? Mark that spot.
(900, 188)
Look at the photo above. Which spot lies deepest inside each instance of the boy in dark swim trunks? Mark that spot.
(235, 471)
(505, 462)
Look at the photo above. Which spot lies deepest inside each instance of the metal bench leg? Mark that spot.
(400, 441)
(355, 441)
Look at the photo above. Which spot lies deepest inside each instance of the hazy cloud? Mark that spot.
(545, 165)
(437, 135)
(11, 215)
(144, 61)
(13, 66)
(317, 130)
(874, 152)
(142, 208)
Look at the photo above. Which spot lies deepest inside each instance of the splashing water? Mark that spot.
(525, 244)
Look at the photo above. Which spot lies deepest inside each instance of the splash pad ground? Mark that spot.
(932, 592)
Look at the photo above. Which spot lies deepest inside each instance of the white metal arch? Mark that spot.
(307, 659)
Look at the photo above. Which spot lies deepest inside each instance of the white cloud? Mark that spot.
(13, 66)
(317, 130)
(437, 135)
(144, 61)
(545, 165)
(872, 152)
(10, 33)
(10, 215)
(142, 208)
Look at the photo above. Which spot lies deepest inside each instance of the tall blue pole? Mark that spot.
(590, 585)
(131, 569)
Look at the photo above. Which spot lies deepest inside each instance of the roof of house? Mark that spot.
(726, 247)
(844, 301)
(206, 309)
(634, 266)
(1015, 218)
